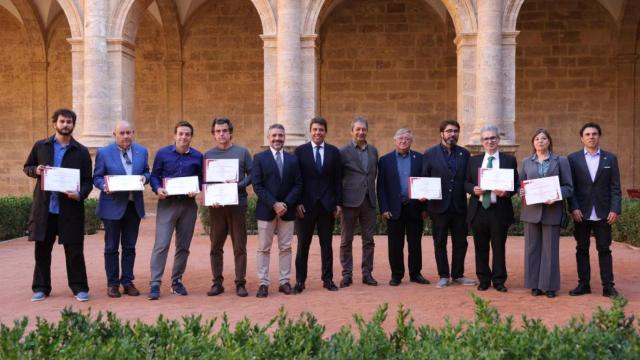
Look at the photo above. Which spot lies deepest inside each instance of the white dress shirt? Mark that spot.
(494, 164)
(592, 164)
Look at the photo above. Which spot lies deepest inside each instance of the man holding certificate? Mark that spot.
(178, 162)
(56, 211)
(228, 163)
(491, 180)
(121, 207)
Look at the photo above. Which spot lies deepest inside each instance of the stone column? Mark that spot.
(77, 81)
(96, 131)
(270, 86)
(508, 125)
(289, 71)
(39, 116)
(309, 78)
(466, 84)
(122, 70)
(174, 91)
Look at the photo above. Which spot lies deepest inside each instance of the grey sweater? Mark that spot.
(244, 172)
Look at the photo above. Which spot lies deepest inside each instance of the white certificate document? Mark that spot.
(425, 188)
(221, 194)
(181, 185)
(496, 179)
(60, 179)
(221, 170)
(537, 191)
(124, 182)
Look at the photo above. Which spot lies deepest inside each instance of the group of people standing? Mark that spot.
(309, 189)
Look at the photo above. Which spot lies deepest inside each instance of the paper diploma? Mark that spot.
(124, 182)
(537, 191)
(221, 194)
(221, 170)
(181, 185)
(60, 179)
(495, 179)
(425, 188)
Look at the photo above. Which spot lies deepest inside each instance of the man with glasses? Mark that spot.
(490, 213)
(120, 211)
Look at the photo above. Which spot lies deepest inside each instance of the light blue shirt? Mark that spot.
(403, 163)
(592, 164)
(128, 168)
(58, 154)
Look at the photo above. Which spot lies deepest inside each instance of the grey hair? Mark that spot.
(276, 126)
(492, 128)
(403, 131)
(360, 119)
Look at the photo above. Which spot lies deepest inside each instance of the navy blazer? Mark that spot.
(323, 187)
(388, 186)
(270, 188)
(435, 165)
(604, 192)
(113, 206)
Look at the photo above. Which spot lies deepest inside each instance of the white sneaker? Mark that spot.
(465, 281)
(442, 283)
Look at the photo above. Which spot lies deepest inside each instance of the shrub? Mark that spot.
(628, 227)
(517, 228)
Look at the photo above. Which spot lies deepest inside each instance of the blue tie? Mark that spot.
(318, 159)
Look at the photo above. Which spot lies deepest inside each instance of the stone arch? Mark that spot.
(171, 28)
(33, 29)
(74, 17)
(510, 17)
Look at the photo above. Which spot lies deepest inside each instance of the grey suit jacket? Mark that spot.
(356, 181)
(543, 213)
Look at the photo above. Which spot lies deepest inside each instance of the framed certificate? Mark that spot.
(60, 179)
(538, 191)
(124, 182)
(221, 170)
(220, 194)
(496, 179)
(181, 185)
(425, 188)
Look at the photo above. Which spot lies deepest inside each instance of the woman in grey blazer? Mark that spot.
(542, 221)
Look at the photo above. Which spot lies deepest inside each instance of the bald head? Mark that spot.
(123, 133)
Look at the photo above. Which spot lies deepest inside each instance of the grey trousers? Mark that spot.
(174, 213)
(228, 220)
(266, 230)
(365, 214)
(542, 256)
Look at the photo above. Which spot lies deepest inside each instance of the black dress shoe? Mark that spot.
(346, 282)
(536, 292)
(483, 287)
(285, 289)
(609, 291)
(263, 291)
(581, 289)
(420, 280)
(329, 285)
(241, 290)
(298, 288)
(500, 288)
(551, 294)
(394, 282)
(216, 289)
(369, 280)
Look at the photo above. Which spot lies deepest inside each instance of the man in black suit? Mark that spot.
(403, 215)
(320, 202)
(448, 161)
(490, 213)
(595, 206)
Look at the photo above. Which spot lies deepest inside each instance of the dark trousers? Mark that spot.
(365, 215)
(602, 232)
(74, 256)
(228, 220)
(396, 230)
(442, 224)
(125, 232)
(324, 220)
(490, 234)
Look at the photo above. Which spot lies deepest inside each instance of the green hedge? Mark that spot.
(14, 215)
(610, 334)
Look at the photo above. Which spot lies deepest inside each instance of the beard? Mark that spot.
(64, 131)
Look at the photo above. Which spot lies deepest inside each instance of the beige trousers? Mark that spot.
(266, 231)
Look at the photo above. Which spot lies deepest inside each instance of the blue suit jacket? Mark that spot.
(435, 165)
(112, 206)
(323, 187)
(389, 185)
(271, 188)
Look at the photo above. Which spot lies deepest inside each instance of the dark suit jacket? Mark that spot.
(113, 206)
(435, 165)
(270, 188)
(324, 187)
(503, 204)
(71, 217)
(356, 181)
(603, 193)
(388, 186)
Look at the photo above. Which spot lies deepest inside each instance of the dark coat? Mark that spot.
(325, 187)
(71, 217)
(389, 185)
(603, 193)
(435, 165)
(270, 188)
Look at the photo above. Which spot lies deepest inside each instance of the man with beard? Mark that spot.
(55, 214)
(448, 161)
(120, 211)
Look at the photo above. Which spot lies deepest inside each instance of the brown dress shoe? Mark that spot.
(131, 290)
(285, 289)
(216, 289)
(113, 291)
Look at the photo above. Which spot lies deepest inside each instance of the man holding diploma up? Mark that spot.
(56, 213)
(120, 211)
(490, 212)
(176, 212)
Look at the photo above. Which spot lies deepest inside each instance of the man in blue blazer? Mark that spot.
(448, 161)
(403, 215)
(277, 182)
(120, 211)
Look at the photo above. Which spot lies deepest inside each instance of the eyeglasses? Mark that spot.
(491, 138)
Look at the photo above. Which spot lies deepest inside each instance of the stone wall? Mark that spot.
(59, 69)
